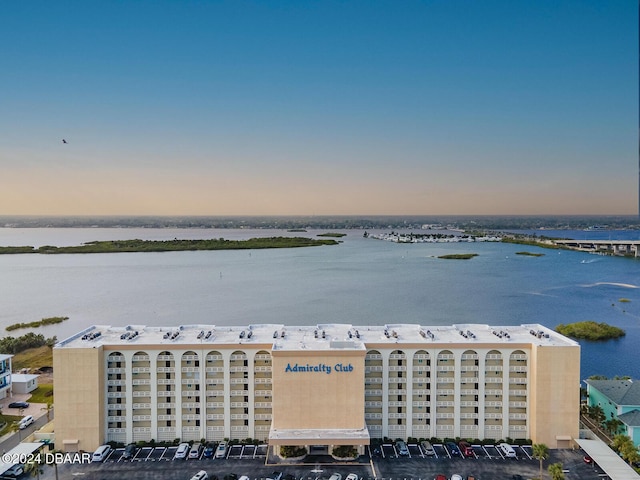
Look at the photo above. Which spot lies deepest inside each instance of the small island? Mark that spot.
(39, 323)
(119, 246)
(590, 330)
(459, 256)
(332, 234)
(530, 254)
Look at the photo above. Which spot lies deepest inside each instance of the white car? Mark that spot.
(351, 476)
(335, 476)
(25, 422)
(221, 451)
(201, 475)
(183, 451)
(15, 471)
(455, 476)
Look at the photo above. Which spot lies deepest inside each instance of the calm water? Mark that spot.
(361, 281)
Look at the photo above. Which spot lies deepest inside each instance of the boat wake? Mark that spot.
(614, 284)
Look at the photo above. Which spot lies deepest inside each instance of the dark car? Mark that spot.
(517, 477)
(209, 450)
(130, 451)
(453, 449)
(19, 405)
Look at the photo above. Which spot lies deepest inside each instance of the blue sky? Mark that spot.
(319, 107)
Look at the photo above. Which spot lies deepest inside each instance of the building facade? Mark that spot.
(5, 376)
(333, 384)
(619, 399)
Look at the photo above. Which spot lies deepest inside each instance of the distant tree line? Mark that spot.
(13, 345)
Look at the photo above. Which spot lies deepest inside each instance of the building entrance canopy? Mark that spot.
(318, 436)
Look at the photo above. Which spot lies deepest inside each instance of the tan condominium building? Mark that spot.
(317, 386)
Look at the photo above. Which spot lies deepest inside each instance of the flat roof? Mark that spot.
(22, 450)
(318, 337)
(614, 466)
(303, 436)
(22, 377)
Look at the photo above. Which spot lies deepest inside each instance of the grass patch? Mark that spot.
(459, 256)
(590, 330)
(530, 254)
(33, 358)
(42, 394)
(8, 419)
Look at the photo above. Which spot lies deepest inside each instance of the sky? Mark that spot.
(429, 107)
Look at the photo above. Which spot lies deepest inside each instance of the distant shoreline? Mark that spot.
(124, 246)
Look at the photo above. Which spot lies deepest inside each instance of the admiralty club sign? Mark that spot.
(319, 368)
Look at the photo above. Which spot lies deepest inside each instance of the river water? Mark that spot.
(361, 281)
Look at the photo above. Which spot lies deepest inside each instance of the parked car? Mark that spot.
(506, 450)
(335, 476)
(130, 451)
(275, 476)
(517, 477)
(101, 453)
(465, 448)
(455, 476)
(427, 448)
(209, 450)
(201, 475)
(402, 448)
(19, 405)
(588, 460)
(195, 451)
(351, 476)
(440, 477)
(25, 422)
(15, 471)
(183, 451)
(453, 449)
(221, 451)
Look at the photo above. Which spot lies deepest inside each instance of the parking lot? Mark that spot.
(389, 450)
(159, 454)
(486, 463)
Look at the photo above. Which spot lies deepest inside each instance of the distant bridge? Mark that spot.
(607, 247)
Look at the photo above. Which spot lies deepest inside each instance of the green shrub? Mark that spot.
(345, 451)
(292, 451)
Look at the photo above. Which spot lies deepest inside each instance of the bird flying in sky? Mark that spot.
(64, 141)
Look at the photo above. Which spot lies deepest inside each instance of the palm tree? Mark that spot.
(540, 452)
(555, 470)
(54, 463)
(49, 408)
(34, 468)
(15, 427)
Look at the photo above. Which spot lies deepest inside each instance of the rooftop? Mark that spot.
(621, 392)
(319, 337)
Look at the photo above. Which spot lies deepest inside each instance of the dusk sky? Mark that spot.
(319, 107)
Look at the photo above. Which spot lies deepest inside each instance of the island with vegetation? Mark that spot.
(590, 330)
(36, 324)
(459, 256)
(118, 246)
(530, 254)
(332, 234)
